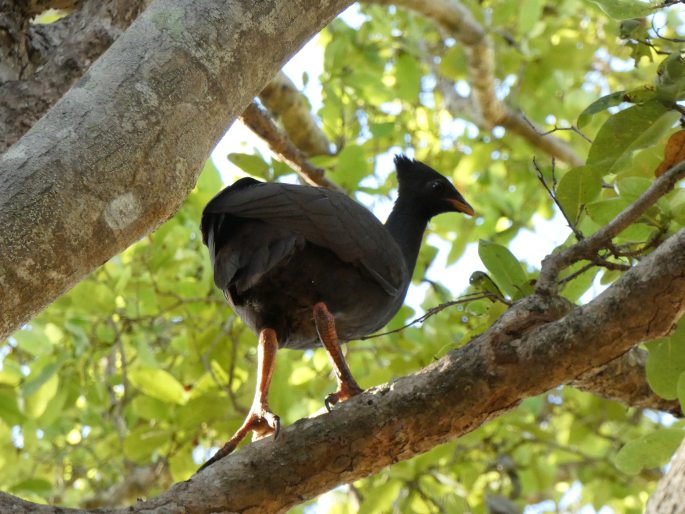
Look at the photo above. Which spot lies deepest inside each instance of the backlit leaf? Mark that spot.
(504, 269)
(666, 362)
(250, 163)
(158, 384)
(625, 9)
(649, 451)
(623, 133)
(578, 187)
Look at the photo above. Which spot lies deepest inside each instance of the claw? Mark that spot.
(260, 421)
(329, 401)
(277, 428)
(345, 391)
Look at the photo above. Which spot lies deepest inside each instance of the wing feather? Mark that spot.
(323, 217)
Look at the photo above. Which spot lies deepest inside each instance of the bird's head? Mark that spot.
(426, 188)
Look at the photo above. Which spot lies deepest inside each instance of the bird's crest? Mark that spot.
(409, 170)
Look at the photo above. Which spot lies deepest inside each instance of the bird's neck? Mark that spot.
(407, 225)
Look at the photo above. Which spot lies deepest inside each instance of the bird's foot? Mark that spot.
(263, 422)
(346, 390)
(260, 421)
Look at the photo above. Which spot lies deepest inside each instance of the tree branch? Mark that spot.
(49, 59)
(260, 122)
(122, 149)
(291, 107)
(553, 264)
(623, 380)
(457, 20)
(534, 347)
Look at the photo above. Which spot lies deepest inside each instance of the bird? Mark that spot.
(305, 267)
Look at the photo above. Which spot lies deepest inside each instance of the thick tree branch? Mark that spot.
(487, 110)
(533, 348)
(260, 122)
(291, 107)
(624, 380)
(48, 59)
(122, 149)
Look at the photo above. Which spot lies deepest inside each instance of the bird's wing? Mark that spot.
(323, 217)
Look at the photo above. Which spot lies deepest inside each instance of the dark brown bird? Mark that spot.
(304, 266)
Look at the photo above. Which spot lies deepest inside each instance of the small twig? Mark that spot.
(651, 45)
(553, 196)
(576, 274)
(601, 261)
(656, 30)
(438, 308)
(589, 247)
(259, 121)
(572, 128)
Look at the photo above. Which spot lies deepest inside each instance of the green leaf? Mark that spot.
(574, 289)
(352, 166)
(529, 14)
(39, 375)
(625, 9)
(159, 384)
(35, 485)
(385, 129)
(36, 403)
(143, 442)
(10, 374)
(603, 211)
(150, 408)
(407, 78)
(632, 129)
(631, 188)
(600, 105)
(680, 389)
(9, 408)
(33, 341)
(578, 187)
(301, 375)
(670, 81)
(209, 181)
(666, 362)
(649, 451)
(504, 269)
(250, 163)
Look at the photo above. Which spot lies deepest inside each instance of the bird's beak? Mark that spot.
(461, 206)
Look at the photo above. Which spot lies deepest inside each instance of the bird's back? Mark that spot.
(277, 249)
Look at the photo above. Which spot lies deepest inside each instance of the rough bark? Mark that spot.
(533, 348)
(121, 150)
(291, 107)
(668, 497)
(623, 380)
(39, 63)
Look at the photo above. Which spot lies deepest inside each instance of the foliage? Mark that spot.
(143, 365)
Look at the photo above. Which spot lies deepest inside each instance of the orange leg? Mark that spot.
(260, 420)
(325, 326)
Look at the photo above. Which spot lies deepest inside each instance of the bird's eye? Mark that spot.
(437, 186)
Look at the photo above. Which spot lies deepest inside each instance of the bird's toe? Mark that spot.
(345, 392)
